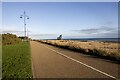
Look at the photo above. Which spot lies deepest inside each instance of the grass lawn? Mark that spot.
(16, 61)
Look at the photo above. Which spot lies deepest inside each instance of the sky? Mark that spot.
(71, 19)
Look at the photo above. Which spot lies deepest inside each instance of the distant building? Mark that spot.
(60, 37)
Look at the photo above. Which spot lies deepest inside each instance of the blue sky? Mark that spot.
(71, 19)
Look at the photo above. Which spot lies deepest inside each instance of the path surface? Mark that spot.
(53, 62)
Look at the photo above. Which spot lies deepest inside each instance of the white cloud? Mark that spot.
(13, 29)
(103, 32)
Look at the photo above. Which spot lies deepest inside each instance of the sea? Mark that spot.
(91, 39)
(96, 39)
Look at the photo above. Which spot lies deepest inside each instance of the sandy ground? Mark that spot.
(48, 64)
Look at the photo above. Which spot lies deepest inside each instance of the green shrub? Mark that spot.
(10, 39)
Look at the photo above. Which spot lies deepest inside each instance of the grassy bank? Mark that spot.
(107, 50)
(8, 39)
(16, 61)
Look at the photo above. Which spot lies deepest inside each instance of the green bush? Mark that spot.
(10, 39)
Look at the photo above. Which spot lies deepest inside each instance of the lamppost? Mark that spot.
(24, 16)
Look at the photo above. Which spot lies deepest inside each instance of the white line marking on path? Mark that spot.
(82, 63)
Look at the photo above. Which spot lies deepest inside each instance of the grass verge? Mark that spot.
(16, 61)
(83, 47)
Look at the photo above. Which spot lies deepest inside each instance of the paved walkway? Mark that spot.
(53, 62)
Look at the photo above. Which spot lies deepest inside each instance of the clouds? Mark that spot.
(16, 31)
(12, 31)
(102, 31)
(42, 35)
(30, 32)
(96, 32)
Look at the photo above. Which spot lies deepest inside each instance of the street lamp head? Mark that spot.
(20, 16)
(27, 17)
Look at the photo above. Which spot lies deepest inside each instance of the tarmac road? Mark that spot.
(53, 62)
